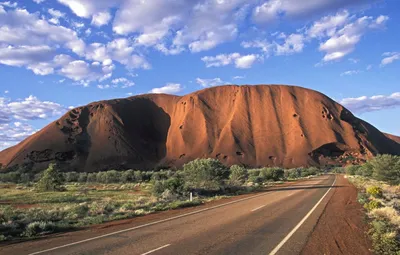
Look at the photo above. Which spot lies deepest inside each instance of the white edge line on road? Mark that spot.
(276, 249)
(255, 209)
(151, 223)
(159, 248)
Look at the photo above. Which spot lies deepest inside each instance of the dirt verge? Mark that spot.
(341, 229)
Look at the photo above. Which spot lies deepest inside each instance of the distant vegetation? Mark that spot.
(35, 204)
(379, 184)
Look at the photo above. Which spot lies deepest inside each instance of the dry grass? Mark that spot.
(388, 213)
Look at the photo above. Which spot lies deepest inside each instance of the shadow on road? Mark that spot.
(304, 187)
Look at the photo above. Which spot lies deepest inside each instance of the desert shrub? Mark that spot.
(157, 176)
(158, 188)
(82, 177)
(238, 175)
(13, 177)
(205, 174)
(371, 205)
(7, 213)
(112, 176)
(293, 173)
(127, 176)
(309, 171)
(254, 172)
(127, 206)
(365, 170)
(374, 191)
(362, 198)
(272, 174)
(38, 228)
(101, 177)
(384, 239)
(51, 180)
(37, 177)
(388, 213)
(71, 176)
(174, 185)
(256, 179)
(25, 178)
(138, 177)
(183, 204)
(80, 211)
(338, 170)
(352, 169)
(91, 177)
(386, 168)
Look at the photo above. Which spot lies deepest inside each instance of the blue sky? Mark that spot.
(60, 54)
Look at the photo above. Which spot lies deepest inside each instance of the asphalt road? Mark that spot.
(274, 222)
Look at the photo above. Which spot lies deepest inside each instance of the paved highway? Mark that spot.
(274, 222)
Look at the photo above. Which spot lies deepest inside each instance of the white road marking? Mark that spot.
(159, 248)
(151, 223)
(276, 249)
(255, 209)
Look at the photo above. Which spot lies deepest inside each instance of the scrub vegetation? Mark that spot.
(38, 204)
(378, 182)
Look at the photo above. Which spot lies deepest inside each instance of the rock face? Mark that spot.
(263, 125)
(393, 137)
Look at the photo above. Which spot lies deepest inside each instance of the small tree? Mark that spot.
(238, 175)
(386, 168)
(352, 169)
(51, 180)
(272, 174)
(206, 174)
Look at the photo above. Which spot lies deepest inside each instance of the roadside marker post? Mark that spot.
(191, 197)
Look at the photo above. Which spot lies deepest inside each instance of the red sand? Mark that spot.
(341, 228)
(251, 125)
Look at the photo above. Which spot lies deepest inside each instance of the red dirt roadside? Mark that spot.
(341, 228)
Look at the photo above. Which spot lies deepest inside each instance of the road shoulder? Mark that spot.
(341, 229)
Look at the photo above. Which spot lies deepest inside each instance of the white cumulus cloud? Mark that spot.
(169, 88)
(390, 57)
(210, 82)
(101, 19)
(242, 62)
(374, 103)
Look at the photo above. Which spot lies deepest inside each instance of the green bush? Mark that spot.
(365, 170)
(338, 170)
(386, 168)
(82, 177)
(51, 180)
(384, 239)
(293, 173)
(138, 177)
(238, 175)
(205, 174)
(91, 177)
(362, 198)
(272, 174)
(309, 171)
(352, 169)
(373, 204)
(175, 185)
(183, 204)
(374, 191)
(255, 179)
(38, 228)
(128, 176)
(71, 176)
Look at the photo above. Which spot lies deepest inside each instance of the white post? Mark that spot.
(191, 196)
